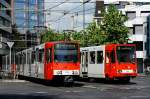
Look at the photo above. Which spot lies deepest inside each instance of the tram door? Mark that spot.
(84, 63)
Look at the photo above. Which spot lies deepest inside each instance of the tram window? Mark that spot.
(28, 58)
(24, 58)
(16, 59)
(19, 59)
(48, 55)
(107, 57)
(41, 55)
(92, 57)
(112, 55)
(33, 57)
(99, 56)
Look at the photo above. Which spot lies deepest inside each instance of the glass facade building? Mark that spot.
(5, 27)
(29, 14)
(5, 24)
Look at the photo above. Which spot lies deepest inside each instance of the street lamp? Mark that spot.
(10, 44)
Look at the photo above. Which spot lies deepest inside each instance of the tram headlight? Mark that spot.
(119, 71)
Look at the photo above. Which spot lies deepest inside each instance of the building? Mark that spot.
(5, 26)
(138, 25)
(138, 14)
(29, 18)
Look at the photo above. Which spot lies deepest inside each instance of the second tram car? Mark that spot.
(112, 61)
(49, 61)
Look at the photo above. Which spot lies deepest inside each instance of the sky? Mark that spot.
(56, 19)
(128, 0)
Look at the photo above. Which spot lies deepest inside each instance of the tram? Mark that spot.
(111, 61)
(49, 61)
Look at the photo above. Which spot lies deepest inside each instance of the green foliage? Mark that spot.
(113, 26)
(110, 30)
(94, 35)
(50, 35)
(79, 36)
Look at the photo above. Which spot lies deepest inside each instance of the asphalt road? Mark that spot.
(139, 88)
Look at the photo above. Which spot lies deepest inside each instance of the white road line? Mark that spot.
(40, 92)
(13, 81)
(90, 86)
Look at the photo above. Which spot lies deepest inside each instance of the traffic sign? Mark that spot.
(10, 44)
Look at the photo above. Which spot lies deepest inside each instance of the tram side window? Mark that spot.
(19, 59)
(28, 58)
(24, 58)
(92, 57)
(99, 56)
(41, 55)
(48, 55)
(33, 57)
(16, 59)
(112, 55)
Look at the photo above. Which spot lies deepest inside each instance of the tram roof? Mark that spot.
(92, 48)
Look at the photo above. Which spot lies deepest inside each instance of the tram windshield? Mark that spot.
(126, 54)
(65, 52)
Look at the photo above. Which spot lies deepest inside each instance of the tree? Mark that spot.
(94, 34)
(50, 35)
(79, 36)
(113, 26)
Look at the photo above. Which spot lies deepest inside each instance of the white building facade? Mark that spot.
(138, 14)
(138, 30)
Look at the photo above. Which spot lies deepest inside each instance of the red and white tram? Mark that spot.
(112, 61)
(49, 61)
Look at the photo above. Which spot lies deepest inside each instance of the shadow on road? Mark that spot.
(32, 96)
(104, 81)
(52, 83)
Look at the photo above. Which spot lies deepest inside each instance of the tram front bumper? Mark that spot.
(66, 72)
(123, 73)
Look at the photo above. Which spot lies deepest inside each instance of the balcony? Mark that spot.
(7, 29)
(138, 37)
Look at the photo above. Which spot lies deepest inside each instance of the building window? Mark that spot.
(131, 31)
(138, 29)
(140, 65)
(139, 45)
(145, 14)
(131, 15)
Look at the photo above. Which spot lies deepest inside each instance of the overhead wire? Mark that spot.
(65, 13)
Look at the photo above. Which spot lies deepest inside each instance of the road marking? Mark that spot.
(40, 92)
(90, 86)
(13, 81)
(76, 91)
(139, 97)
